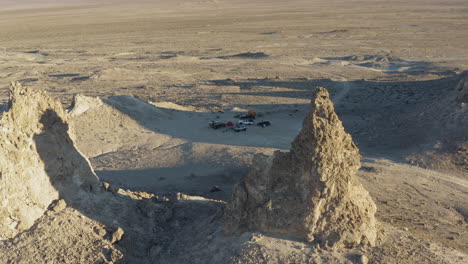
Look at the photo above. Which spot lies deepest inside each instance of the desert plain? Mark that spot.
(141, 80)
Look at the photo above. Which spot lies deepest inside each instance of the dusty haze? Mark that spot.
(140, 81)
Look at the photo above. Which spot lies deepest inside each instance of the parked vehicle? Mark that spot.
(217, 124)
(239, 128)
(264, 123)
(247, 117)
(246, 122)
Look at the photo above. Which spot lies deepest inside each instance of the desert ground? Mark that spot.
(141, 80)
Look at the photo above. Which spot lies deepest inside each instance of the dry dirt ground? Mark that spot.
(163, 69)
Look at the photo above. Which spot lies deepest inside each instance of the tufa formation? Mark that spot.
(38, 160)
(311, 192)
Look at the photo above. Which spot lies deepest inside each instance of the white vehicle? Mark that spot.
(240, 128)
(246, 122)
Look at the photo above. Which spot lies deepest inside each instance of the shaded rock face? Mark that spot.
(311, 192)
(38, 160)
(462, 88)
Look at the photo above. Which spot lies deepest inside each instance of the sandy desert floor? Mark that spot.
(164, 69)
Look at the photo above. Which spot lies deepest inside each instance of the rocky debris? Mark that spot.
(153, 209)
(370, 169)
(363, 259)
(215, 188)
(38, 160)
(117, 235)
(462, 88)
(100, 231)
(58, 205)
(310, 192)
(110, 188)
(67, 237)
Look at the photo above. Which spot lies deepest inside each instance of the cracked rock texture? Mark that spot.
(311, 192)
(38, 160)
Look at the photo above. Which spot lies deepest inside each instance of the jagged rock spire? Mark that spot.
(310, 192)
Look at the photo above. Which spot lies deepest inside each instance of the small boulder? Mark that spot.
(117, 235)
(58, 205)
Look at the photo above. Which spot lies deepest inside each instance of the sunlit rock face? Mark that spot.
(38, 160)
(311, 192)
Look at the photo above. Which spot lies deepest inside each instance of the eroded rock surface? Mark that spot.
(310, 192)
(38, 160)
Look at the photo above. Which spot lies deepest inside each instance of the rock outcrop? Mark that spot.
(38, 160)
(82, 103)
(311, 192)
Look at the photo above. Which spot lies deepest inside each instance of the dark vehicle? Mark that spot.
(240, 128)
(217, 124)
(247, 117)
(264, 123)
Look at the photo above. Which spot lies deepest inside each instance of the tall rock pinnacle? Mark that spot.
(38, 160)
(310, 192)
